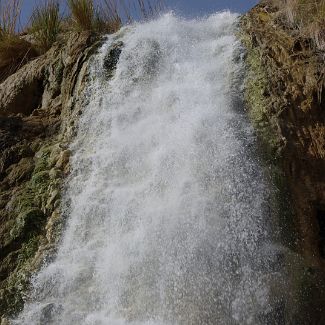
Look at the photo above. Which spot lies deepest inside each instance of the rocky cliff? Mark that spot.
(39, 105)
(286, 102)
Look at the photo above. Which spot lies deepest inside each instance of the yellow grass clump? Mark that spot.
(45, 24)
(14, 51)
(306, 16)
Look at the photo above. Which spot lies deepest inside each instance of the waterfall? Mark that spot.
(169, 214)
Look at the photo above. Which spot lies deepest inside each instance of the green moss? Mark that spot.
(276, 86)
(27, 228)
(262, 112)
(28, 250)
(11, 294)
(42, 161)
(58, 72)
(40, 178)
(25, 200)
(27, 223)
(259, 103)
(11, 301)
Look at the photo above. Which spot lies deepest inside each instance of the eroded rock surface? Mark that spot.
(39, 106)
(285, 98)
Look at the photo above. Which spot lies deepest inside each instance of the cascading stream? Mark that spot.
(168, 210)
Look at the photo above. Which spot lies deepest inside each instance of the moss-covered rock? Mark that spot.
(21, 171)
(27, 223)
(34, 160)
(283, 93)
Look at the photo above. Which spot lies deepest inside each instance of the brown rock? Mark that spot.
(37, 106)
(63, 160)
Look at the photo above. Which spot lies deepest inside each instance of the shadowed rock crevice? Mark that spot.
(320, 215)
(27, 99)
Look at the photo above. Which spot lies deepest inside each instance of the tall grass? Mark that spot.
(9, 16)
(14, 51)
(107, 17)
(45, 24)
(82, 14)
(149, 9)
(86, 16)
(302, 12)
(110, 15)
(143, 9)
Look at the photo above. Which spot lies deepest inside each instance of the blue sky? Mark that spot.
(200, 7)
(187, 8)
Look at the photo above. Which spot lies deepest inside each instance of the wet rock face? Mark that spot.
(112, 58)
(39, 106)
(285, 100)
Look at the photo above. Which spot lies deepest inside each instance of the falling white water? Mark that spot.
(168, 209)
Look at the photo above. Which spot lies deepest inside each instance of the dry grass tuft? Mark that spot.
(107, 17)
(14, 51)
(82, 14)
(45, 24)
(307, 17)
(143, 9)
(110, 15)
(9, 16)
(101, 19)
(148, 9)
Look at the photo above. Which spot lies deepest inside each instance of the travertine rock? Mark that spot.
(37, 106)
(286, 102)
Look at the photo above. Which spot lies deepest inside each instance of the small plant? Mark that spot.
(14, 53)
(45, 24)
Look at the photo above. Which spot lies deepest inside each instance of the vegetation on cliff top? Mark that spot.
(285, 79)
(47, 23)
(14, 51)
(305, 17)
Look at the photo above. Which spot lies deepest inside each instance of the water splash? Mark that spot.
(168, 210)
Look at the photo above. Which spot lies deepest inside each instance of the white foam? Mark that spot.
(166, 201)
